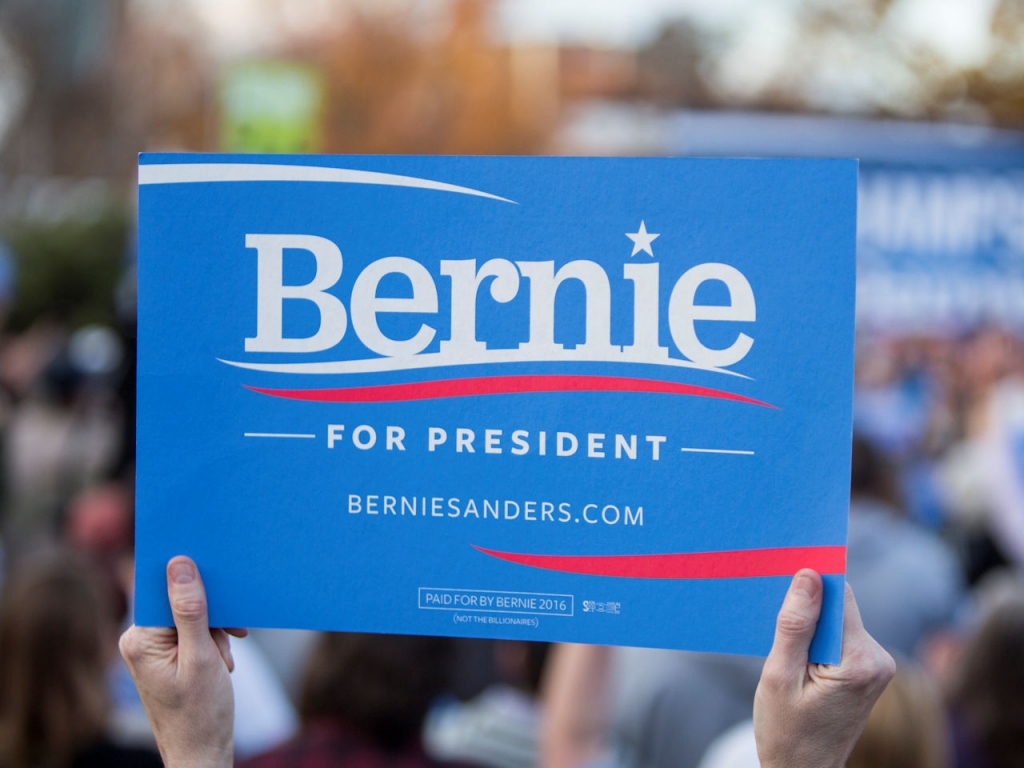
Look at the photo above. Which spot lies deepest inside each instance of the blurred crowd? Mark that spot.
(936, 552)
(947, 412)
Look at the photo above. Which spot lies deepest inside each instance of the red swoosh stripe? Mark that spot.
(499, 385)
(736, 564)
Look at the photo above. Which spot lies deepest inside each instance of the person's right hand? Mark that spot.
(811, 715)
(182, 676)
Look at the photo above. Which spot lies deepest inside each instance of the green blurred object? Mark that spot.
(271, 106)
(67, 271)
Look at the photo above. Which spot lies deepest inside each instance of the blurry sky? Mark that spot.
(760, 34)
(960, 28)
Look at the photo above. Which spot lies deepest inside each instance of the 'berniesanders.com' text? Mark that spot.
(495, 509)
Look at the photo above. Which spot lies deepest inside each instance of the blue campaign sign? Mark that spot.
(588, 400)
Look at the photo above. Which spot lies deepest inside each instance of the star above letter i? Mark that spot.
(642, 240)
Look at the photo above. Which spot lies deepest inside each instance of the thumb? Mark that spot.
(795, 627)
(187, 596)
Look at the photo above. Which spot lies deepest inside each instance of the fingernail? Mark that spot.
(183, 573)
(805, 586)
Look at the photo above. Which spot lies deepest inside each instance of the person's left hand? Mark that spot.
(182, 675)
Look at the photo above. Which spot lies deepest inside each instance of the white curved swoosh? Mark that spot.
(191, 173)
(441, 359)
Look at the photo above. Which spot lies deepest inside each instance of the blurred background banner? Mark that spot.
(940, 249)
(940, 215)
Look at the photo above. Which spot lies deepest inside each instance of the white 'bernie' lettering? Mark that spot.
(463, 347)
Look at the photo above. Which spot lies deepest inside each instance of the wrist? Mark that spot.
(206, 762)
(825, 763)
(211, 758)
(804, 758)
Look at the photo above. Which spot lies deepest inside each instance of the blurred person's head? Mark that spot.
(521, 663)
(907, 728)
(99, 519)
(987, 357)
(378, 685)
(988, 692)
(99, 522)
(872, 475)
(57, 636)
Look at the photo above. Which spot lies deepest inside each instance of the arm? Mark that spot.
(811, 715)
(575, 705)
(182, 676)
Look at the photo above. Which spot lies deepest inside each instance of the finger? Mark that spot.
(220, 637)
(853, 625)
(188, 605)
(795, 627)
(136, 643)
(237, 631)
(873, 663)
